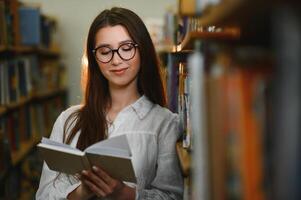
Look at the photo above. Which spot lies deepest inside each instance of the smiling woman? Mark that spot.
(119, 69)
(123, 95)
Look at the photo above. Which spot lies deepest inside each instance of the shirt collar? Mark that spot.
(142, 106)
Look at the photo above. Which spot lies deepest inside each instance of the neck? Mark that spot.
(122, 97)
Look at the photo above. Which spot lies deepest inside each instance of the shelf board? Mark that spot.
(25, 147)
(165, 48)
(185, 159)
(49, 93)
(30, 49)
(27, 195)
(25, 100)
(226, 34)
(21, 102)
(2, 48)
(2, 110)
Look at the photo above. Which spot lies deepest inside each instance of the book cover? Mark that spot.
(30, 25)
(113, 155)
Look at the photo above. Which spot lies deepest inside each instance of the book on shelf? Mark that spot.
(30, 25)
(3, 32)
(113, 155)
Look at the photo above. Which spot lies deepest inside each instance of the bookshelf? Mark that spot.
(227, 34)
(244, 129)
(25, 147)
(184, 158)
(2, 110)
(32, 94)
(28, 49)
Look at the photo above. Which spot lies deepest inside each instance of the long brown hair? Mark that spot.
(90, 118)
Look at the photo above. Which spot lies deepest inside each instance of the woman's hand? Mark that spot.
(82, 192)
(103, 185)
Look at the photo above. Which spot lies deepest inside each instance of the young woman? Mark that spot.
(123, 95)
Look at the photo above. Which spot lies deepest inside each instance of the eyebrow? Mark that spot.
(108, 45)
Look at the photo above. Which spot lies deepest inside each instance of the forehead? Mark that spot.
(111, 35)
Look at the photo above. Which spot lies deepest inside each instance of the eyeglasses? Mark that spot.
(125, 51)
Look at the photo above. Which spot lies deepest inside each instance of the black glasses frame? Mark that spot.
(117, 51)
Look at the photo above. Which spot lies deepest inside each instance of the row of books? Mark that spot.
(20, 130)
(29, 122)
(236, 106)
(195, 7)
(237, 102)
(248, 95)
(32, 94)
(22, 181)
(23, 76)
(24, 25)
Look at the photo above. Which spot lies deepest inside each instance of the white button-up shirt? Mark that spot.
(152, 132)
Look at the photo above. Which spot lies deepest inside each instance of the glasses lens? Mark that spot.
(127, 51)
(104, 54)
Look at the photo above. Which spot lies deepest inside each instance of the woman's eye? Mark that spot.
(104, 51)
(127, 47)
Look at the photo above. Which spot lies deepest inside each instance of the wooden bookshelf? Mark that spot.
(26, 100)
(21, 102)
(2, 110)
(185, 159)
(228, 12)
(31, 109)
(165, 48)
(30, 49)
(2, 48)
(25, 148)
(221, 13)
(226, 34)
(49, 93)
(27, 195)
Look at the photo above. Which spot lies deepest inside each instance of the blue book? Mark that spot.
(30, 25)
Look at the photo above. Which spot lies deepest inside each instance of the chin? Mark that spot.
(122, 83)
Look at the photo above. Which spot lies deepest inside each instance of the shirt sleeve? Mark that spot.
(168, 182)
(54, 185)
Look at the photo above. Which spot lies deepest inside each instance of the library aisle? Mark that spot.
(233, 75)
(232, 72)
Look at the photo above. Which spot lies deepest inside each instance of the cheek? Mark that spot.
(102, 68)
(137, 64)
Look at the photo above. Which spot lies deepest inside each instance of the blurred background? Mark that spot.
(231, 70)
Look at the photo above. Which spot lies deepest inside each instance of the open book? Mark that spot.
(113, 155)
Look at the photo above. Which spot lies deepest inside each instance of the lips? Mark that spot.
(119, 71)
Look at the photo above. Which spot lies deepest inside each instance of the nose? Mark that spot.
(116, 58)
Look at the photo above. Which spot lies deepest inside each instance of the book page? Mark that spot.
(65, 160)
(108, 151)
(55, 143)
(119, 168)
(113, 146)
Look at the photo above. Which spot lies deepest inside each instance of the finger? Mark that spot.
(96, 180)
(114, 184)
(105, 176)
(97, 191)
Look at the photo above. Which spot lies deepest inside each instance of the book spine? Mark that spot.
(86, 162)
(198, 123)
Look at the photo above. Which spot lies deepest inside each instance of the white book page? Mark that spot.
(115, 146)
(58, 144)
(109, 152)
(61, 149)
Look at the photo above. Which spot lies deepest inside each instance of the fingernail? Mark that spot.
(95, 168)
(84, 172)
